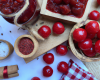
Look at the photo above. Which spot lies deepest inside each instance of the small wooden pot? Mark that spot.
(17, 49)
(11, 49)
(79, 54)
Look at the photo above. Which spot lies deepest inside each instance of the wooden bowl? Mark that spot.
(34, 50)
(11, 49)
(65, 18)
(78, 53)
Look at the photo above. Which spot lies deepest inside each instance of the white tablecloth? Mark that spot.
(33, 68)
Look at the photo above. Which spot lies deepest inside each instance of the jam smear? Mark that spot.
(75, 8)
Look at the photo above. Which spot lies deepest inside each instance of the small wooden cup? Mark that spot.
(79, 54)
(11, 49)
(17, 49)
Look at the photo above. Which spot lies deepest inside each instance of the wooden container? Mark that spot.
(78, 53)
(65, 18)
(34, 50)
(11, 49)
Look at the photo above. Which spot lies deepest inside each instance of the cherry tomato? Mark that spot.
(90, 53)
(97, 46)
(58, 28)
(62, 67)
(47, 71)
(79, 34)
(94, 15)
(92, 27)
(66, 1)
(44, 31)
(85, 45)
(35, 78)
(58, 1)
(61, 50)
(48, 58)
(64, 9)
(98, 1)
(98, 34)
(91, 36)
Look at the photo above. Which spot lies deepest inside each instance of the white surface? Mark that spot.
(33, 68)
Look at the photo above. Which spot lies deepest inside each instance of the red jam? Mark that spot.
(25, 46)
(13, 6)
(73, 8)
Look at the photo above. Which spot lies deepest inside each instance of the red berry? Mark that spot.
(44, 31)
(79, 34)
(83, 1)
(35, 78)
(48, 58)
(98, 1)
(97, 46)
(47, 71)
(62, 67)
(58, 1)
(79, 5)
(58, 28)
(20, 1)
(85, 45)
(61, 50)
(74, 2)
(91, 36)
(64, 9)
(92, 27)
(90, 53)
(66, 1)
(98, 34)
(77, 11)
(94, 15)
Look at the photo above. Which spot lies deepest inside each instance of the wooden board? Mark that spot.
(52, 41)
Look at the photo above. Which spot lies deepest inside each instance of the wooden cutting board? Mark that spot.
(54, 40)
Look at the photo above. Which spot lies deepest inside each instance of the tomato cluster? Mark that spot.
(84, 38)
(45, 31)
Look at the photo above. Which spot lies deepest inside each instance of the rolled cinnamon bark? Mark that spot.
(12, 71)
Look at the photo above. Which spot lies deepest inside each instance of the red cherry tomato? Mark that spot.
(66, 1)
(48, 58)
(35, 78)
(64, 9)
(44, 31)
(94, 15)
(90, 53)
(47, 71)
(58, 1)
(58, 28)
(62, 67)
(97, 46)
(98, 34)
(98, 1)
(61, 50)
(85, 45)
(92, 27)
(79, 34)
(91, 36)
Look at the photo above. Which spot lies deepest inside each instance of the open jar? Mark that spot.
(19, 12)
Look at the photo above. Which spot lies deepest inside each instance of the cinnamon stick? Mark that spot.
(12, 71)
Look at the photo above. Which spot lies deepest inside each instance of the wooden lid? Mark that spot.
(34, 50)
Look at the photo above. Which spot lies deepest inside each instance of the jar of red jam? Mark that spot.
(19, 11)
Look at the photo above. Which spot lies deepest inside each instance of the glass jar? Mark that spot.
(19, 12)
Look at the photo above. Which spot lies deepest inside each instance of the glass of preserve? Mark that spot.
(19, 12)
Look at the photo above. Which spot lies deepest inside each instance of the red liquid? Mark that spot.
(15, 6)
(73, 8)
